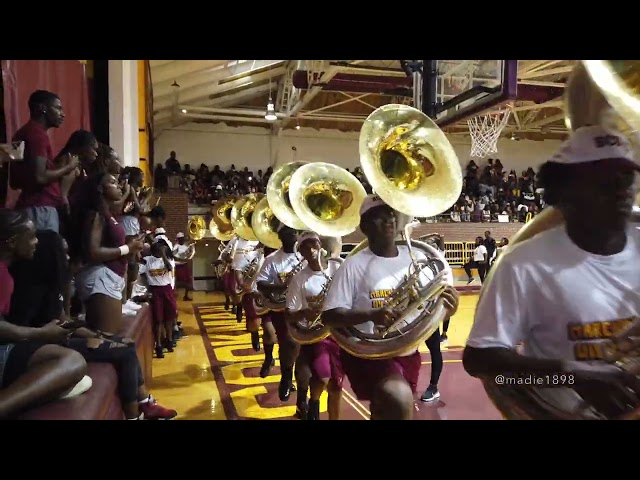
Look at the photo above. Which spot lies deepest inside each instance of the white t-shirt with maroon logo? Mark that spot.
(364, 281)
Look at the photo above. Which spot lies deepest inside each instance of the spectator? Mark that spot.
(38, 176)
(33, 369)
(478, 261)
(172, 164)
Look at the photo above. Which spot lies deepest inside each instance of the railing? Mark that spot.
(458, 253)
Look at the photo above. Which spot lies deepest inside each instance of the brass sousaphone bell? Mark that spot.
(197, 227)
(241, 215)
(278, 193)
(327, 198)
(265, 224)
(220, 225)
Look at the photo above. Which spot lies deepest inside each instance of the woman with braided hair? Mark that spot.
(33, 370)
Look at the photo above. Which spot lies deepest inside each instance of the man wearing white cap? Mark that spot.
(184, 276)
(356, 298)
(568, 290)
(244, 253)
(321, 360)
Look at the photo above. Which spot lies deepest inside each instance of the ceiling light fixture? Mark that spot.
(271, 109)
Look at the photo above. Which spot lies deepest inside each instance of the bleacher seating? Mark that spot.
(101, 401)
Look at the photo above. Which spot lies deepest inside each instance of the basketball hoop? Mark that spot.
(485, 131)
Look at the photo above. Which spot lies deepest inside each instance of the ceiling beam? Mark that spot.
(205, 91)
(171, 71)
(212, 75)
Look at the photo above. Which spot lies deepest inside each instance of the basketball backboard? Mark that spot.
(466, 88)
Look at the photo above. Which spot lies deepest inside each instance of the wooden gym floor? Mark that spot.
(213, 373)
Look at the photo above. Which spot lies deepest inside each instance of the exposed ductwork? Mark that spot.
(355, 83)
(403, 86)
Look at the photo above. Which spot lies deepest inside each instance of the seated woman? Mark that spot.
(33, 370)
(36, 302)
(104, 252)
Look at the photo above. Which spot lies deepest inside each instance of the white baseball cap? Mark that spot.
(307, 235)
(593, 143)
(180, 235)
(371, 201)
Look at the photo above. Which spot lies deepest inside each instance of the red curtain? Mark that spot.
(66, 78)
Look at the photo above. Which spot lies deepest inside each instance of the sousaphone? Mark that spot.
(598, 92)
(197, 227)
(278, 194)
(219, 234)
(241, 214)
(327, 198)
(265, 224)
(411, 165)
(221, 215)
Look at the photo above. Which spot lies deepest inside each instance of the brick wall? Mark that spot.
(176, 207)
(454, 232)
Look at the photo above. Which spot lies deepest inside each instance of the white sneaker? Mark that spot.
(129, 312)
(131, 305)
(81, 387)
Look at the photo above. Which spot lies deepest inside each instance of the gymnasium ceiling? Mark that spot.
(330, 94)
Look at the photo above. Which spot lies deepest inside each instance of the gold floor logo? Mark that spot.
(253, 397)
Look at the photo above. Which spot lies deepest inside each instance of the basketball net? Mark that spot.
(485, 131)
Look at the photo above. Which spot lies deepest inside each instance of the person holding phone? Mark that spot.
(39, 271)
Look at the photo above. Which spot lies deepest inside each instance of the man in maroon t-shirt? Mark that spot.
(38, 176)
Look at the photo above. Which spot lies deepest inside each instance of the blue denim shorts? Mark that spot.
(44, 218)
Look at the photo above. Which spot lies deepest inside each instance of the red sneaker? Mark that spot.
(151, 410)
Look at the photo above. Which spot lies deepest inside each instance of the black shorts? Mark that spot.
(14, 360)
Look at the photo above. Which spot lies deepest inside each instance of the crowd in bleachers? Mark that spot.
(205, 186)
(489, 194)
(71, 250)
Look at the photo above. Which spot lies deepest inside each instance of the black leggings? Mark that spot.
(123, 359)
(445, 327)
(433, 344)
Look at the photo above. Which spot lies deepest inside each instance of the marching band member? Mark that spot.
(245, 252)
(304, 302)
(183, 267)
(273, 278)
(565, 291)
(248, 305)
(159, 268)
(374, 273)
(226, 256)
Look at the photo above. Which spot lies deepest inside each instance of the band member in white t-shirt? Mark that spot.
(480, 260)
(159, 270)
(274, 277)
(245, 252)
(304, 303)
(184, 276)
(566, 291)
(389, 384)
